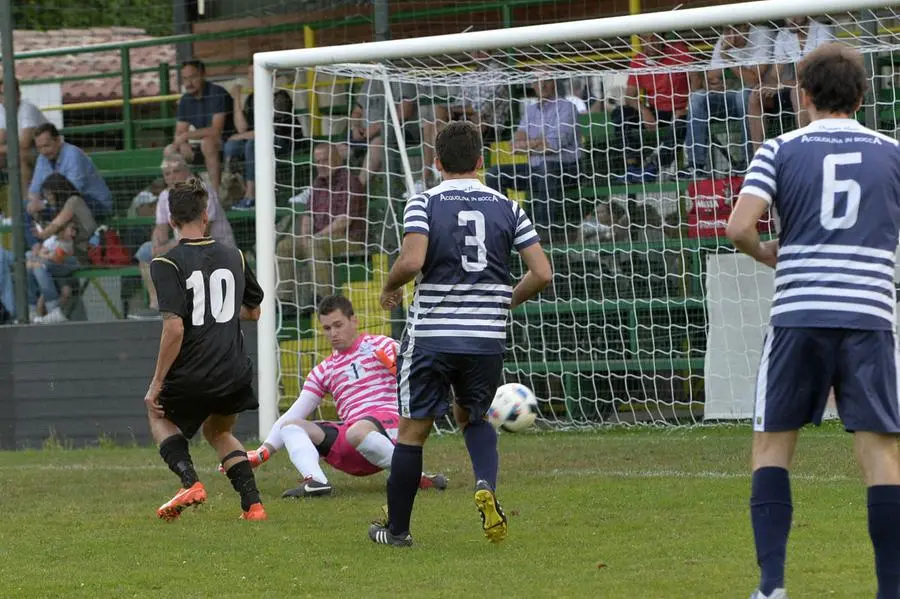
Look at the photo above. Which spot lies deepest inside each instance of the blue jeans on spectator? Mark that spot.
(242, 150)
(7, 295)
(545, 185)
(706, 105)
(42, 280)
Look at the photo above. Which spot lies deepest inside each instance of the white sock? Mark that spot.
(377, 449)
(303, 453)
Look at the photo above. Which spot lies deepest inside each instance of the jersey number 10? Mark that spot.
(221, 296)
(831, 186)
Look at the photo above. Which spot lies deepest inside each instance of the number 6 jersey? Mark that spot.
(463, 292)
(205, 284)
(835, 188)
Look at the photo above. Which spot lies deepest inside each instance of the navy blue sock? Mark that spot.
(771, 511)
(481, 441)
(884, 530)
(402, 486)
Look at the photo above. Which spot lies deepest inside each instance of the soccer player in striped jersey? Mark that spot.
(457, 245)
(361, 376)
(835, 187)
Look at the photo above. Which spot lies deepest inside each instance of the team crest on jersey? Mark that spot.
(366, 348)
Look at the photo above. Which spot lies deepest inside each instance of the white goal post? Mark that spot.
(356, 58)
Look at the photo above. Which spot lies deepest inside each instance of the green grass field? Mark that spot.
(620, 514)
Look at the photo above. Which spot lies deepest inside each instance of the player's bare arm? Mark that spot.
(248, 313)
(405, 269)
(743, 232)
(538, 276)
(169, 347)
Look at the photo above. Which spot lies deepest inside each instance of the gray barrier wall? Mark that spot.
(80, 382)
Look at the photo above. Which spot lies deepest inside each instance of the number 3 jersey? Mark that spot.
(206, 283)
(464, 290)
(835, 188)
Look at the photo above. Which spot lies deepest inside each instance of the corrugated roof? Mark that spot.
(144, 84)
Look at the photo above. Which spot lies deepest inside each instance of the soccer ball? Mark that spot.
(514, 408)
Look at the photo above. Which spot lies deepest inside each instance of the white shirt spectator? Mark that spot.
(580, 105)
(757, 50)
(787, 45)
(219, 227)
(30, 116)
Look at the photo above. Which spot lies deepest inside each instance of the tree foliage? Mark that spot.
(154, 16)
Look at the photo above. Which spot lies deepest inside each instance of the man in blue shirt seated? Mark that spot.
(58, 156)
(208, 108)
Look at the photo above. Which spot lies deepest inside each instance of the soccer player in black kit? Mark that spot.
(203, 375)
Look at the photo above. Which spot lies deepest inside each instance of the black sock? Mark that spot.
(174, 451)
(402, 485)
(884, 530)
(771, 511)
(243, 481)
(481, 441)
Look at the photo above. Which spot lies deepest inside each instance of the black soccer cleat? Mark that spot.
(308, 488)
(493, 520)
(380, 534)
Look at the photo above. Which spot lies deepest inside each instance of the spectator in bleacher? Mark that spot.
(370, 124)
(59, 156)
(30, 118)
(655, 101)
(240, 147)
(547, 132)
(486, 105)
(778, 90)
(7, 291)
(47, 272)
(207, 108)
(334, 224)
(176, 170)
(750, 46)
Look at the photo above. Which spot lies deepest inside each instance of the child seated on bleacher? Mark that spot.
(56, 249)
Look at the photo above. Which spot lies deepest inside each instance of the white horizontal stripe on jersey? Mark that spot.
(757, 191)
(427, 320)
(827, 263)
(468, 310)
(832, 307)
(461, 299)
(525, 237)
(825, 277)
(833, 248)
(376, 396)
(466, 287)
(756, 163)
(766, 152)
(461, 333)
(836, 293)
(755, 176)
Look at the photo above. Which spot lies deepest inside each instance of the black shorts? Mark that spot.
(189, 413)
(427, 377)
(799, 366)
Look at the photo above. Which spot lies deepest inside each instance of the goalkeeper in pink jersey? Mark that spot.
(361, 377)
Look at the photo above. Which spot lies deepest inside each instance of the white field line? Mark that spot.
(555, 473)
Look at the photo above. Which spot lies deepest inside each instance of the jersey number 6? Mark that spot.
(831, 186)
(221, 296)
(477, 240)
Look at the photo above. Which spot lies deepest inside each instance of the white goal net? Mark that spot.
(626, 149)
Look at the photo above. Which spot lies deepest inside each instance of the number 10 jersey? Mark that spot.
(835, 189)
(205, 284)
(463, 293)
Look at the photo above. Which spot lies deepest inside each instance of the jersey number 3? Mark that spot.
(476, 241)
(831, 186)
(221, 296)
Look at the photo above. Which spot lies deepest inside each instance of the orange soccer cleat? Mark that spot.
(256, 512)
(194, 495)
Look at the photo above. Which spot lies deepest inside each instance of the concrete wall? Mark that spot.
(83, 381)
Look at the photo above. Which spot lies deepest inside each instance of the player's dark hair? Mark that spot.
(46, 128)
(834, 77)
(187, 201)
(458, 147)
(196, 63)
(335, 302)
